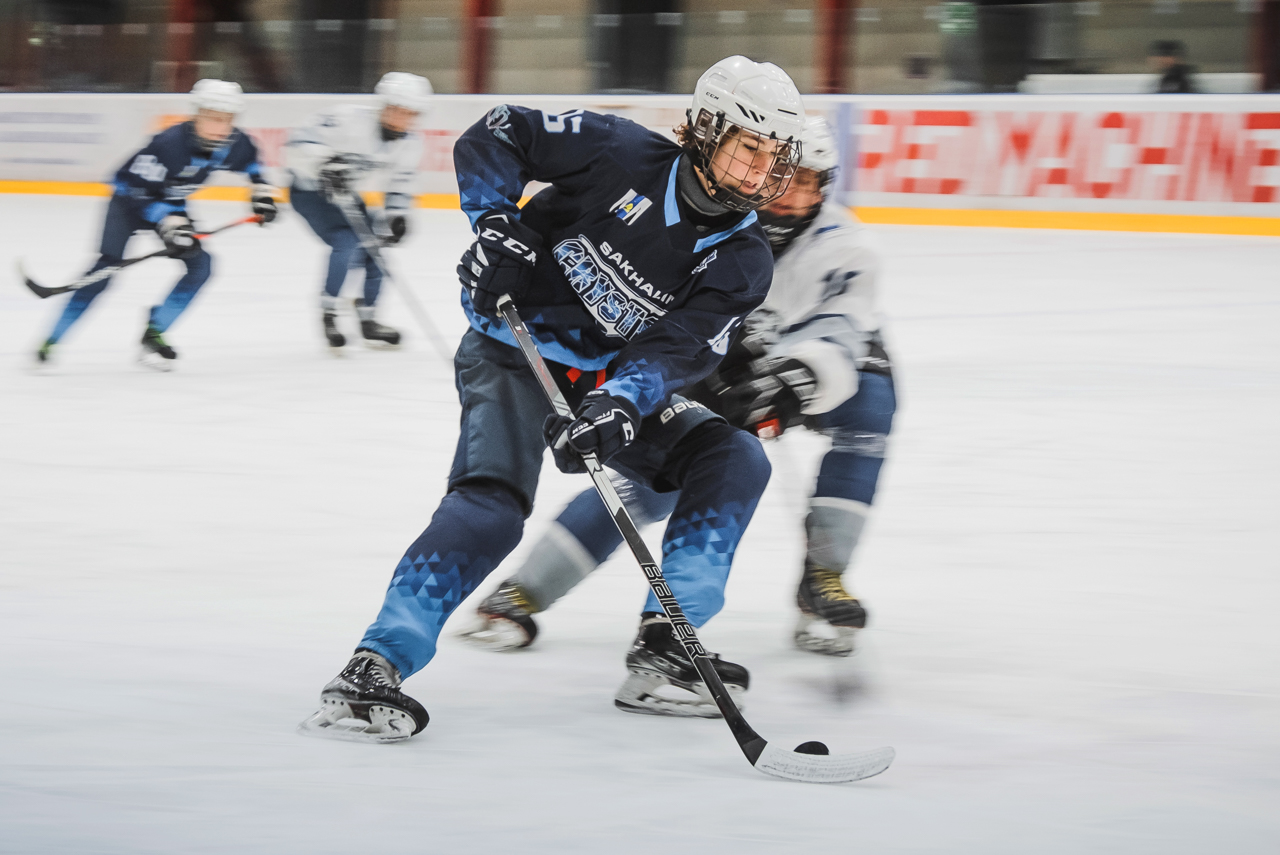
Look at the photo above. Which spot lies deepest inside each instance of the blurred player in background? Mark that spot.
(343, 151)
(631, 270)
(150, 194)
(812, 355)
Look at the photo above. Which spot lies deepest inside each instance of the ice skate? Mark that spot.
(663, 679)
(335, 338)
(829, 615)
(156, 352)
(376, 335)
(503, 620)
(364, 704)
(44, 356)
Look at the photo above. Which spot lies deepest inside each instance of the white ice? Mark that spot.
(1072, 573)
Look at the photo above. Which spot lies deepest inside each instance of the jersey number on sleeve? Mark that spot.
(555, 124)
(150, 169)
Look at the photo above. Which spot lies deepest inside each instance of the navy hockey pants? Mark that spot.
(120, 225)
(718, 471)
(327, 221)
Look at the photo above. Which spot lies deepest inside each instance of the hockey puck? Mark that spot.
(812, 748)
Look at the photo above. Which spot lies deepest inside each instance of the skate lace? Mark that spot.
(827, 584)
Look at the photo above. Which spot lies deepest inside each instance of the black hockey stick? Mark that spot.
(369, 243)
(98, 275)
(820, 768)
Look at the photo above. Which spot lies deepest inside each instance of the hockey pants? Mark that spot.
(328, 222)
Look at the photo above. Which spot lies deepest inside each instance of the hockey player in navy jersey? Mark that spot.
(340, 152)
(631, 271)
(812, 355)
(150, 194)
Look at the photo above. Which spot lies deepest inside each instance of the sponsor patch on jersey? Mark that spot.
(621, 305)
(631, 206)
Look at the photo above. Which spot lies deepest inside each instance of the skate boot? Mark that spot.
(156, 353)
(504, 620)
(335, 339)
(829, 615)
(364, 704)
(376, 335)
(45, 354)
(663, 679)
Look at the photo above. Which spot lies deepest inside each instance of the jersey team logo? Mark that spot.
(630, 206)
(616, 306)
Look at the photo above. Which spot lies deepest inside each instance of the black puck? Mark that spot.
(812, 748)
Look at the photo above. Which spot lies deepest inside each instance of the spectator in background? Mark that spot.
(1166, 58)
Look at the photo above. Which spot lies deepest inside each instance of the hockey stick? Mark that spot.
(370, 244)
(98, 275)
(819, 768)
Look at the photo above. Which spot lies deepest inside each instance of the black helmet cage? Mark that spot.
(708, 132)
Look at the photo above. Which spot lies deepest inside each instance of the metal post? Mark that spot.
(476, 37)
(834, 36)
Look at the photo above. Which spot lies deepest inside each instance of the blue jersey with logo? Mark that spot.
(625, 278)
(157, 180)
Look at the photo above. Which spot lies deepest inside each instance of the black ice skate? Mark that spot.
(335, 339)
(45, 354)
(829, 615)
(657, 662)
(504, 620)
(376, 335)
(156, 352)
(364, 704)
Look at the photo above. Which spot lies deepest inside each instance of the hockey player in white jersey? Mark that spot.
(346, 150)
(811, 355)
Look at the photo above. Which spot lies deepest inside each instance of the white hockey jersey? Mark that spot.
(353, 130)
(823, 304)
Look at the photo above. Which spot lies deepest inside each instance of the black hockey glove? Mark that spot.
(501, 261)
(392, 229)
(772, 401)
(603, 425)
(262, 200)
(336, 176)
(179, 236)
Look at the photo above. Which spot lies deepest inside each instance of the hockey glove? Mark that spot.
(774, 400)
(263, 201)
(603, 426)
(179, 236)
(336, 177)
(392, 228)
(501, 261)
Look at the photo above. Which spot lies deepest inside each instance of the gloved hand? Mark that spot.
(336, 176)
(773, 400)
(262, 199)
(603, 425)
(179, 236)
(392, 228)
(501, 261)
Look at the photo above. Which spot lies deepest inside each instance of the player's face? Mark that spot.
(398, 120)
(803, 194)
(742, 162)
(214, 126)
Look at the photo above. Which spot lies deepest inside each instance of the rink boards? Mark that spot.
(1177, 163)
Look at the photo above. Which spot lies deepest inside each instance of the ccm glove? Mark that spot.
(773, 400)
(336, 176)
(603, 426)
(179, 236)
(263, 201)
(501, 261)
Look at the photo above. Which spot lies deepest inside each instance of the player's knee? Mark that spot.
(750, 466)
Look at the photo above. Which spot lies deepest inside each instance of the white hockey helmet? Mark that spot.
(221, 96)
(818, 146)
(757, 97)
(402, 89)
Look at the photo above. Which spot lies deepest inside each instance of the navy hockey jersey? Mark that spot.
(158, 179)
(625, 279)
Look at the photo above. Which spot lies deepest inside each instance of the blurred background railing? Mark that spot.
(629, 46)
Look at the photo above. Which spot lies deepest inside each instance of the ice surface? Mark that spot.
(1072, 574)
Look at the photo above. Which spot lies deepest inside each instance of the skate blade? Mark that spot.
(336, 720)
(155, 361)
(380, 345)
(639, 694)
(497, 634)
(815, 635)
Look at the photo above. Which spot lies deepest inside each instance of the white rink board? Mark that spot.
(1071, 572)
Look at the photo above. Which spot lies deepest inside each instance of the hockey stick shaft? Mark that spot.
(370, 244)
(106, 272)
(751, 743)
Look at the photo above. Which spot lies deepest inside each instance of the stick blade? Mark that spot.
(821, 768)
(37, 289)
